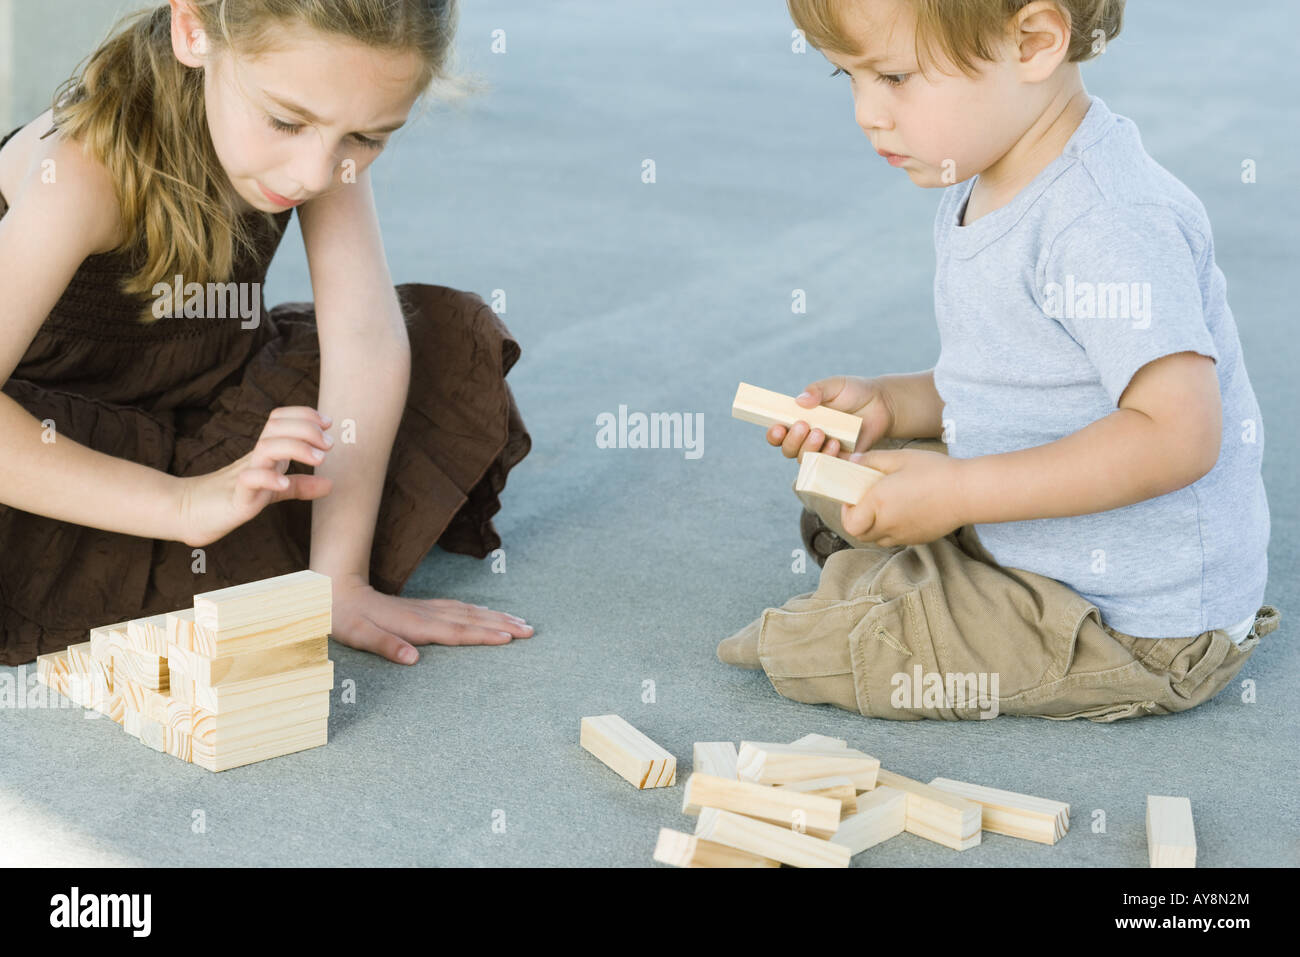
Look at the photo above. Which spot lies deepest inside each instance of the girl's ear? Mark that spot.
(189, 39)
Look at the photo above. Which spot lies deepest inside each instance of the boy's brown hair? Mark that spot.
(962, 31)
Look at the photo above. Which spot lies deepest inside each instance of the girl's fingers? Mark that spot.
(300, 412)
(309, 430)
(365, 635)
(267, 452)
(794, 439)
(776, 435)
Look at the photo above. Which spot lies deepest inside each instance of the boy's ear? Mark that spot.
(1042, 34)
(189, 39)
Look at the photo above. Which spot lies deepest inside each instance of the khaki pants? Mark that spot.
(942, 631)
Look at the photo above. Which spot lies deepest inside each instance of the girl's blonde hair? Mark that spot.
(962, 31)
(141, 113)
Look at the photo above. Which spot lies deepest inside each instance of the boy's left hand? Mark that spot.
(918, 500)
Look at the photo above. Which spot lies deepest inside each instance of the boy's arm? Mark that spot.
(917, 408)
(1164, 436)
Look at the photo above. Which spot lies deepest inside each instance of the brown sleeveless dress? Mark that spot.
(188, 397)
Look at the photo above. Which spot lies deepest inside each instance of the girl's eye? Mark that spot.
(893, 79)
(291, 128)
(839, 70)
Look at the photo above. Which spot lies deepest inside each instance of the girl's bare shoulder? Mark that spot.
(57, 171)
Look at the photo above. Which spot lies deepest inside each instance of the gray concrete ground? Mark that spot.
(632, 564)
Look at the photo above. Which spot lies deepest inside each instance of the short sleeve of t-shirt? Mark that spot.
(1123, 282)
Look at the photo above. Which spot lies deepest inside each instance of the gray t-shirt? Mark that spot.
(1046, 308)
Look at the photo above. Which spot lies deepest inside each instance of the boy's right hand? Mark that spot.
(210, 506)
(866, 398)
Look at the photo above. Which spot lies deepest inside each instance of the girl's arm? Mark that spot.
(364, 371)
(50, 228)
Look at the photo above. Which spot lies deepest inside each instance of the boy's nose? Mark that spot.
(871, 115)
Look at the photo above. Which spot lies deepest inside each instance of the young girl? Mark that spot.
(164, 435)
(1094, 541)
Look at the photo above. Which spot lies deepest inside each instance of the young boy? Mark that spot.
(1093, 544)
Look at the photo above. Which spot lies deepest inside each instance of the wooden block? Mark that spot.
(806, 813)
(262, 614)
(687, 850)
(769, 763)
(253, 692)
(131, 718)
(819, 742)
(312, 734)
(837, 479)
(178, 744)
(100, 639)
(148, 634)
(628, 752)
(1012, 814)
(52, 671)
(142, 667)
(715, 757)
(837, 788)
(180, 683)
(152, 705)
(766, 408)
(114, 706)
(937, 815)
(180, 629)
(152, 733)
(769, 840)
(239, 728)
(881, 814)
(1171, 834)
(229, 669)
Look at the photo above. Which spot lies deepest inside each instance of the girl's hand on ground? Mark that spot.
(919, 499)
(212, 505)
(390, 626)
(865, 398)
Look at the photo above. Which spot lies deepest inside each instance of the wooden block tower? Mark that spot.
(242, 676)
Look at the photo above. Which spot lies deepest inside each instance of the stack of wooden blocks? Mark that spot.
(242, 676)
(812, 803)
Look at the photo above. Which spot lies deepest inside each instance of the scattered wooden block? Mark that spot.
(1012, 814)
(628, 752)
(836, 788)
(262, 614)
(837, 479)
(881, 814)
(1171, 834)
(769, 840)
(715, 757)
(819, 742)
(766, 408)
(806, 813)
(687, 850)
(769, 763)
(937, 815)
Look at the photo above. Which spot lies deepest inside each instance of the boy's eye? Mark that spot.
(291, 128)
(893, 79)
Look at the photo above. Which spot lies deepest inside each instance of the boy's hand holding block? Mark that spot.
(828, 476)
(766, 408)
